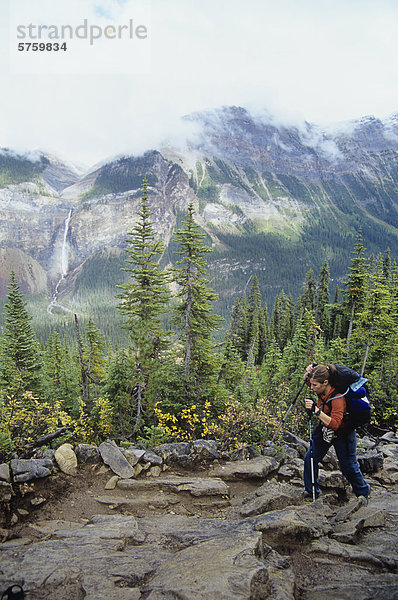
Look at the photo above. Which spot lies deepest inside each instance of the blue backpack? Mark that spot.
(351, 385)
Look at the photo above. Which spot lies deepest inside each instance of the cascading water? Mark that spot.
(64, 267)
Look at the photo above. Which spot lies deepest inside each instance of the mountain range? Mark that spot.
(273, 199)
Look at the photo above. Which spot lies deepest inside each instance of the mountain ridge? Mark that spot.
(272, 197)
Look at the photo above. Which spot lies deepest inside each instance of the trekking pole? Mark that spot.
(291, 406)
(311, 456)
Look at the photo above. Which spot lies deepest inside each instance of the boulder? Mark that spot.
(152, 458)
(371, 461)
(294, 468)
(132, 455)
(390, 436)
(205, 450)
(195, 486)
(293, 440)
(5, 472)
(113, 457)
(331, 479)
(66, 459)
(87, 454)
(30, 469)
(177, 454)
(391, 450)
(257, 468)
(270, 496)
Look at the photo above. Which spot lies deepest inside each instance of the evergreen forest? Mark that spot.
(185, 372)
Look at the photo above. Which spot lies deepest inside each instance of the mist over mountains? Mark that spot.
(273, 199)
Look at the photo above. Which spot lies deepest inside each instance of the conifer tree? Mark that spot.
(145, 296)
(60, 374)
(143, 301)
(282, 320)
(355, 285)
(193, 314)
(21, 366)
(307, 298)
(322, 317)
(336, 319)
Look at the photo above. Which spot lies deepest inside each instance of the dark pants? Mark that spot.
(345, 445)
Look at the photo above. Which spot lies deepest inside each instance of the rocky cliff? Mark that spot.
(274, 199)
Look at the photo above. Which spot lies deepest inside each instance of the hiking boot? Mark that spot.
(308, 495)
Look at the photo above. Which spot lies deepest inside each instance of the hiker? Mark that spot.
(331, 430)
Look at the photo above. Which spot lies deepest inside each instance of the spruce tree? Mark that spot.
(322, 317)
(307, 298)
(145, 296)
(354, 293)
(143, 301)
(21, 366)
(193, 313)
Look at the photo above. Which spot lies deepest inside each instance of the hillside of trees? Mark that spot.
(172, 381)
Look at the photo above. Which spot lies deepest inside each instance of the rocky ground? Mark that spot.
(193, 526)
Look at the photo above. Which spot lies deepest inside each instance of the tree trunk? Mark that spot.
(350, 327)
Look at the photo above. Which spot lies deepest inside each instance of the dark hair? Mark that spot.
(322, 372)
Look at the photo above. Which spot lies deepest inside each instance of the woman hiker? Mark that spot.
(331, 430)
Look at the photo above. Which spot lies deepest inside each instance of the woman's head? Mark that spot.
(322, 378)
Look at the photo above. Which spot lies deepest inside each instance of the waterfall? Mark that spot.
(64, 266)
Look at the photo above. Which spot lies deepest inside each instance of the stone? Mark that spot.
(5, 472)
(5, 491)
(131, 456)
(29, 469)
(113, 457)
(205, 450)
(49, 453)
(112, 482)
(154, 471)
(390, 451)
(257, 468)
(87, 454)
(270, 496)
(390, 436)
(331, 479)
(177, 454)
(370, 462)
(152, 458)
(293, 440)
(295, 468)
(138, 470)
(38, 501)
(195, 486)
(66, 459)
(281, 527)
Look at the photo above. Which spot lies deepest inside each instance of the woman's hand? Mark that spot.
(309, 403)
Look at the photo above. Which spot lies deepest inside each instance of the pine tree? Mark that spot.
(322, 317)
(355, 285)
(146, 295)
(256, 339)
(307, 298)
(21, 366)
(282, 320)
(143, 301)
(60, 374)
(193, 314)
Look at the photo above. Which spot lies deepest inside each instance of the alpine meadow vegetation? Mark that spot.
(175, 380)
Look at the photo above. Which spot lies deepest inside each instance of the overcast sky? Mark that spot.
(319, 60)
